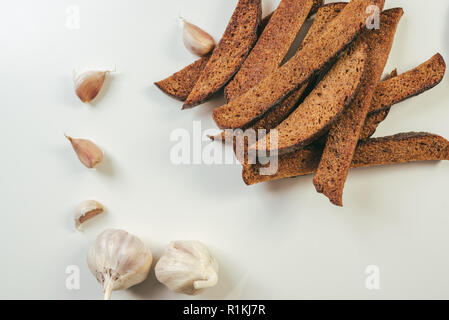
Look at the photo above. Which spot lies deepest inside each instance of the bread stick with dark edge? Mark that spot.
(387, 94)
(344, 134)
(271, 47)
(229, 54)
(181, 83)
(409, 84)
(248, 108)
(400, 148)
(321, 107)
(276, 115)
(374, 119)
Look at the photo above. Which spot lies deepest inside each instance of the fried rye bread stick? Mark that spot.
(339, 33)
(321, 107)
(270, 120)
(229, 54)
(344, 134)
(374, 119)
(180, 84)
(400, 148)
(271, 47)
(409, 84)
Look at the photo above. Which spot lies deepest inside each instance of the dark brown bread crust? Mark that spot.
(400, 148)
(180, 84)
(263, 24)
(316, 5)
(409, 84)
(248, 108)
(373, 119)
(322, 107)
(230, 53)
(344, 135)
(324, 15)
(273, 118)
(272, 46)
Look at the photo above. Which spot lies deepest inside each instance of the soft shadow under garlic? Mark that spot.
(106, 167)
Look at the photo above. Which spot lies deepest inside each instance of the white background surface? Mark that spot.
(279, 240)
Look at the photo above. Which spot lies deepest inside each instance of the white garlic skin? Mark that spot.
(86, 210)
(187, 267)
(118, 260)
(196, 40)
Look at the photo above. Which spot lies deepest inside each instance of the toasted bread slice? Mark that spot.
(272, 46)
(180, 84)
(409, 84)
(248, 108)
(400, 148)
(321, 107)
(273, 118)
(344, 134)
(324, 15)
(317, 4)
(390, 92)
(229, 54)
(373, 119)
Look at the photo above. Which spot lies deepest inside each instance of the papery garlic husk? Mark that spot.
(187, 267)
(88, 152)
(88, 84)
(196, 40)
(87, 210)
(118, 260)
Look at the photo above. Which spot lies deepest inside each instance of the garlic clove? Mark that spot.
(87, 210)
(187, 267)
(196, 40)
(88, 152)
(88, 84)
(118, 260)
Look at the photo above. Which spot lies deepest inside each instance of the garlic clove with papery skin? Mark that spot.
(87, 210)
(118, 260)
(196, 40)
(88, 84)
(187, 267)
(88, 152)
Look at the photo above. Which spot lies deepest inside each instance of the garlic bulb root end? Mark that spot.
(118, 260)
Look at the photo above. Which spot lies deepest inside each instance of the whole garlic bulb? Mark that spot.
(187, 267)
(118, 260)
